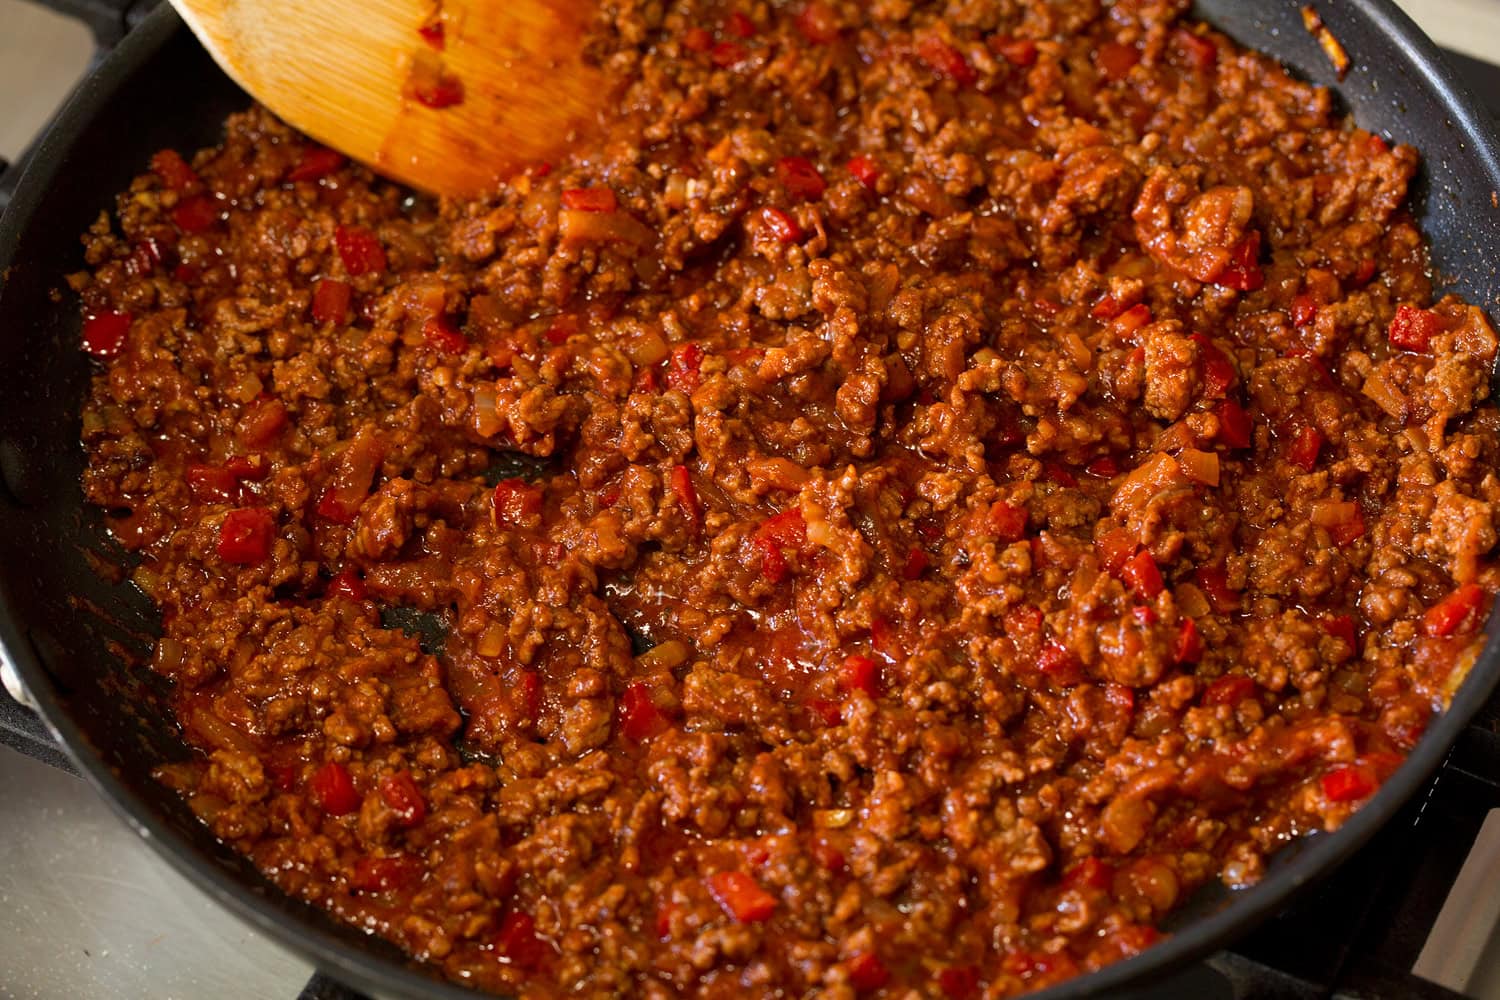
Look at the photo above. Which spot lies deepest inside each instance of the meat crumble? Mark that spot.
(931, 487)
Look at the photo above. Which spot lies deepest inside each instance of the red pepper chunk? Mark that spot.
(1189, 647)
(1348, 783)
(104, 333)
(1445, 617)
(1412, 329)
(860, 673)
(1303, 449)
(1304, 310)
(945, 60)
(1197, 51)
(867, 972)
(330, 303)
(348, 584)
(1243, 272)
(440, 334)
(959, 982)
(1114, 548)
(211, 483)
(740, 26)
(916, 564)
(741, 897)
(818, 23)
(865, 170)
(245, 536)
(1059, 664)
(441, 90)
(727, 54)
(404, 798)
(1214, 582)
(1007, 521)
(683, 367)
(697, 40)
(196, 214)
(590, 199)
(640, 719)
(687, 496)
(316, 163)
(1218, 372)
(1016, 51)
(800, 178)
(1231, 689)
(518, 943)
(434, 34)
(516, 502)
(173, 171)
(395, 873)
(780, 225)
(1340, 627)
(1089, 873)
(1235, 426)
(1114, 61)
(333, 789)
(360, 250)
(1141, 574)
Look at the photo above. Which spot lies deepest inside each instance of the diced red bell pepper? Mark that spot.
(1141, 575)
(1199, 52)
(1364, 271)
(104, 333)
(916, 564)
(173, 171)
(867, 972)
(1104, 467)
(728, 54)
(360, 250)
(831, 712)
(438, 90)
(780, 225)
(1350, 527)
(1348, 783)
(684, 367)
(145, 254)
(741, 897)
(439, 334)
(1217, 371)
(1016, 51)
(1412, 329)
(528, 694)
(1445, 617)
(818, 23)
(245, 536)
(1214, 582)
(665, 914)
(1121, 697)
(196, 214)
(333, 789)
(1056, 472)
(434, 34)
(865, 170)
(740, 26)
(330, 302)
(1089, 873)
(590, 199)
(1059, 664)
(1114, 548)
(397, 872)
(697, 39)
(348, 584)
(1007, 521)
(828, 857)
(860, 673)
(1231, 689)
(959, 982)
(883, 637)
(1302, 450)
(516, 503)
(1114, 61)
(315, 163)
(404, 798)
(686, 494)
(211, 483)
(261, 423)
(772, 563)
(1189, 646)
(1340, 627)
(1235, 426)
(800, 177)
(519, 944)
(640, 719)
(1304, 310)
(1243, 272)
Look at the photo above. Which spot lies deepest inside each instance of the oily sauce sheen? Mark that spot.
(933, 486)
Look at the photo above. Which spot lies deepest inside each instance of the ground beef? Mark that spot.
(934, 485)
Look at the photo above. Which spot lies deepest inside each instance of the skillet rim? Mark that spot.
(368, 970)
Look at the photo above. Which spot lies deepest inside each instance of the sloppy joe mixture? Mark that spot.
(930, 486)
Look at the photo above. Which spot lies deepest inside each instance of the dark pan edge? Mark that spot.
(374, 972)
(365, 970)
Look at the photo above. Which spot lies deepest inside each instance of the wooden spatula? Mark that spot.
(446, 95)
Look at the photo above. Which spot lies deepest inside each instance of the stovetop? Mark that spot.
(87, 910)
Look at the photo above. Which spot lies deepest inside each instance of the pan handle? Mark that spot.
(108, 21)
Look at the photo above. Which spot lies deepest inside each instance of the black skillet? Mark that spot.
(77, 639)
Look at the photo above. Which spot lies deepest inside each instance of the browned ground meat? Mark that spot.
(933, 486)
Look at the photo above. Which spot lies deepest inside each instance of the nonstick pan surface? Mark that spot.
(79, 635)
